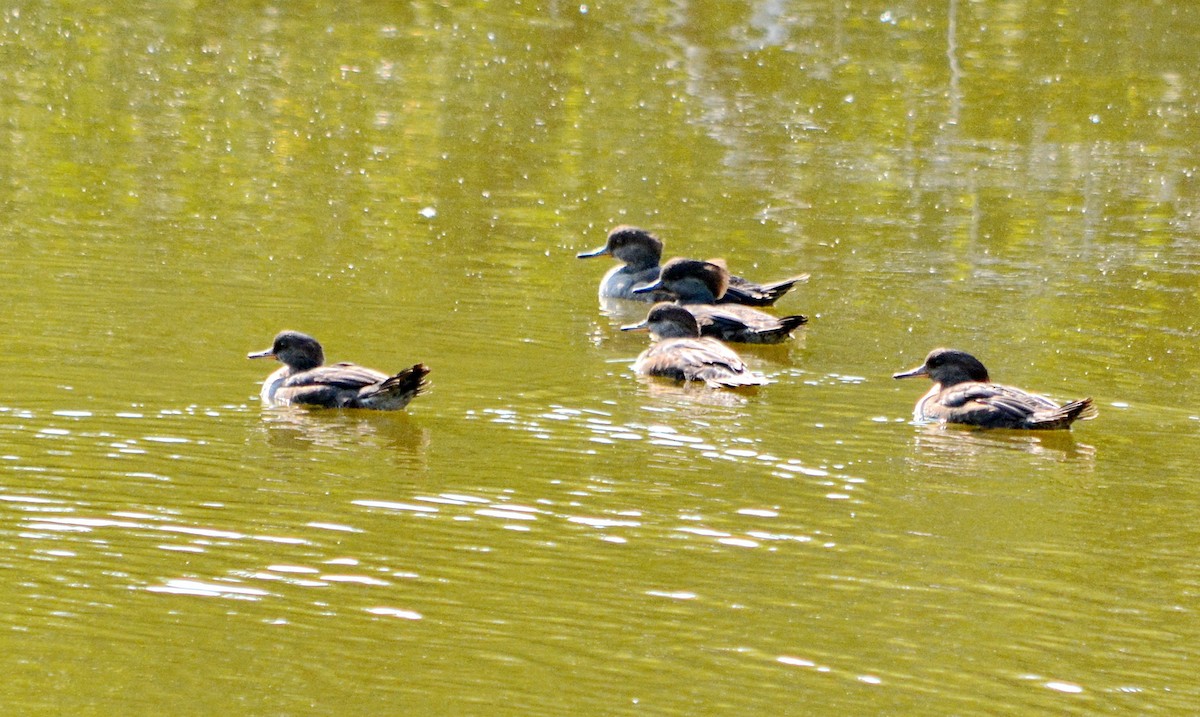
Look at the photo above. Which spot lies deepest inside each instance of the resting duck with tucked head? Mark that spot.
(699, 285)
(640, 252)
(963, 393)
(679, 352)
(305, 380)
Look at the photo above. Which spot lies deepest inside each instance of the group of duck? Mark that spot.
(697, 307)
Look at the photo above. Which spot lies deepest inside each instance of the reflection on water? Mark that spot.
(964, 448)
(298, 428)
(676, 395)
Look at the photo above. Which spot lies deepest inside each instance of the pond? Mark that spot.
(545, 532)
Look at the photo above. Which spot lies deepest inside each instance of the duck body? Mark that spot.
(963, 393)
(680, 353)
(698, 285)
(698, 359)
(620, 281)
(744, 324)
(305, 379)
(640, 253)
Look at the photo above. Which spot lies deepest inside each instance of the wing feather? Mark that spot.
(701, 359)
(338, 375)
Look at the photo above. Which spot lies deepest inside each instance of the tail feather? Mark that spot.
(791, 323)
(396, 391)
(409, 380)
(1082, 410)
(741, 291)
(787, 324)
(769, 335)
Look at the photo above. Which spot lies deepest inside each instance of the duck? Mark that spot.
(964, 393)
(640, 252)
(681, 353)
(699, 285)
(304, 379)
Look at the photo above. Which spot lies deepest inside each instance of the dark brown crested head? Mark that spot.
(951, 366)
(634, 245)
(299, 351)
(672, 321)
(695, 281)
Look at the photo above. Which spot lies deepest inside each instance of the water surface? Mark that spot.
(545, 533)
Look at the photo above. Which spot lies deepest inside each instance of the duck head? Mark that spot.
(668, 321)
(299, 351)
(631, 245)
(949, 367)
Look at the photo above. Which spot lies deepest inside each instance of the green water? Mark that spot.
(545, 533)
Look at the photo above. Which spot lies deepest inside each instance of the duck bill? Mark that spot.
(912, 373)
(643, 327)
(261, 354)
(594, 252)
(647, 288)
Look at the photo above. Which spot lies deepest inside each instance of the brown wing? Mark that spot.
(733, 322)
(986, 404)
(702, 359)
(334, 385)
(338, 375)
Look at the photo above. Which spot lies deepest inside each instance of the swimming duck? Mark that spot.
(679, 352)
(698, 285)
(303, 379)
(963, 393)
(640, 253)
